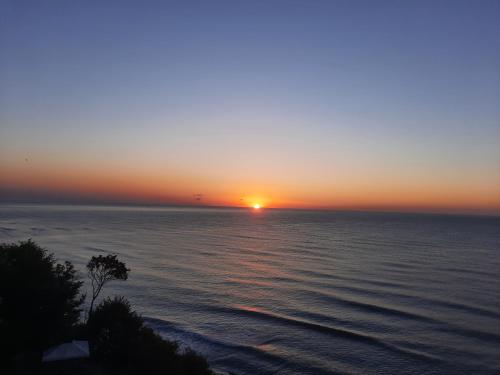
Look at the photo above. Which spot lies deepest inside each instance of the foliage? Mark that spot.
(39, 300)
(113, 330)
(40, 307)
(192, 363)
(102, 269)
(118, 337)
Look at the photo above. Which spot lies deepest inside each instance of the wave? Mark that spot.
(368, 307)
(323, 329)
(167, 328)
(470, 333)
(7, 229)
(479, 273)
(417, 300)
(327, 276)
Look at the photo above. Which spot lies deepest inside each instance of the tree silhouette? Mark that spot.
(102, 269)
(39, 301)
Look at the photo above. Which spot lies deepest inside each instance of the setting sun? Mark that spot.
(256, 206)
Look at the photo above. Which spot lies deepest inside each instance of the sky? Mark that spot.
(383, 105)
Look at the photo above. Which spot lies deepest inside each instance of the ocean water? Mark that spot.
(296, 292)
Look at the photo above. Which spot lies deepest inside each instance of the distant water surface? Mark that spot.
(296, 292)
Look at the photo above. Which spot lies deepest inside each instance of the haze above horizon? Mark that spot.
(289, 104)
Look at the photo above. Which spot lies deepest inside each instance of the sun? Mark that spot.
(256, 206)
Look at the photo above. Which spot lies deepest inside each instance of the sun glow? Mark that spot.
(256, 206)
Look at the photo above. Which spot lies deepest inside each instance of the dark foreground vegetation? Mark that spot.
(41, 305)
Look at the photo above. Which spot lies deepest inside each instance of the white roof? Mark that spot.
(70, 350)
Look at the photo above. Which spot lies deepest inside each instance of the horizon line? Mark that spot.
(440, 212)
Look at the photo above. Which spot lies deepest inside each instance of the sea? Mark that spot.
(295, 292)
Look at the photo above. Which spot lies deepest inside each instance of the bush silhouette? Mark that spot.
(192, 363)
(113, 330)
(39, 301)
(119, 338)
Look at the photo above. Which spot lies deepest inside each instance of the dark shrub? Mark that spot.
(156, 354)
(39, 301)
(193, 363)
(113, 330)
(119, 338)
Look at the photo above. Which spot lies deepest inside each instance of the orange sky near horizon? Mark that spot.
(135, 185)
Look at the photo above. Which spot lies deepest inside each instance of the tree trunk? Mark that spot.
(91, 307)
